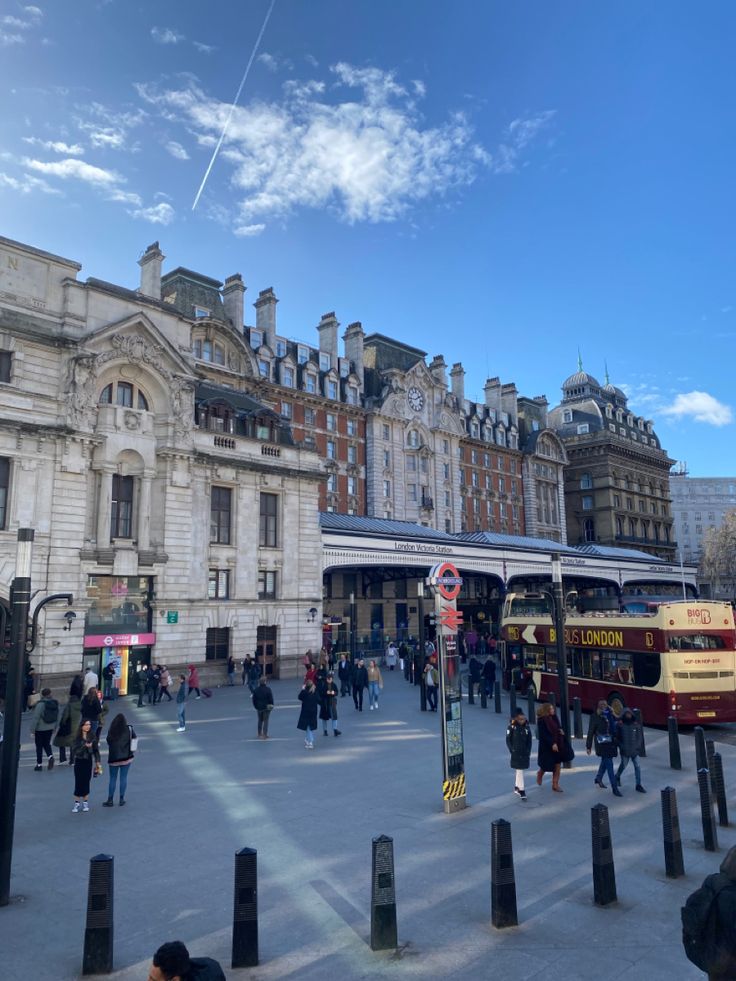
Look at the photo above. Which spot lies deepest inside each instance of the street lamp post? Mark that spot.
(353, 627)
(20, 646)
(559, 604)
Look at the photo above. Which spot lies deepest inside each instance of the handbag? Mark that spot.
(34, 699)
(133, 740)
(606, 738)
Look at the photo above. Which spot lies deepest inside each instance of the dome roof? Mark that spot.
(579, 379)
(610, 389)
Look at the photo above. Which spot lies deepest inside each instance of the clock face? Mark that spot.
(415, 399)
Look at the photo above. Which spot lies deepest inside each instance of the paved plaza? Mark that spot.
(194, 798)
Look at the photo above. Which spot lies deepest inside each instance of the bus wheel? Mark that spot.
(617, 704)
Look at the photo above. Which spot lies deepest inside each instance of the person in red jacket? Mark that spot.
(193, 680)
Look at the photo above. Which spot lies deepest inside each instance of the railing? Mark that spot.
(270, 451)
(224, 442)
(427, 502)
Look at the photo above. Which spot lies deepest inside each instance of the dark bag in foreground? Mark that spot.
(50, 711)
(700, 923)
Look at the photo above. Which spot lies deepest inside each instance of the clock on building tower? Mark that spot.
(415, 399)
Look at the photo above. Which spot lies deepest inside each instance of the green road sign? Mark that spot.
(172, 616)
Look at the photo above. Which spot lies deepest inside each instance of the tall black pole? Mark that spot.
(353, 627)
(560, 639)
(420, 613)
(20, 601)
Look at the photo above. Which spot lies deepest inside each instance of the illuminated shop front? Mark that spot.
(118, 627)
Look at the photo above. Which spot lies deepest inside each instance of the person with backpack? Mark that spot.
(709, 923)
(69, 722)
(519, 743)
(630, 739)
(120, 741)
(43, 723)
(601, 732)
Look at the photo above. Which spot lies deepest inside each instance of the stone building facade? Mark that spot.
(617, 477)
(177, 507)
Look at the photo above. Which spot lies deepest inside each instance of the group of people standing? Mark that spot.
(154, 681)
(606, 733)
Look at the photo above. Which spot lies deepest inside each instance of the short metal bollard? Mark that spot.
(577, 711)
(503, 883)
(245, 909)
(673, 863)
(483, 695)
(675, 757)
(701, 756)
(710, 834)
(531, 704)
(717, 776)
(604, 874)
(710, 748)
(384, 935)
(638, 717)
(512, 700)
(497, 697)
(98, 929)
(471, 695)
(422, 696)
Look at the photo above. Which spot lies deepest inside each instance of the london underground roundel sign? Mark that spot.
(447, 579)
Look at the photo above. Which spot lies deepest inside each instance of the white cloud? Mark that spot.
(108, 129)
(16, 25)
(519, 134)
(166, 35)
(247, 231)
(204, 48)
(701, 407)
(35, 13)
(268, 61)
(6, 40)
(365, 154)
(177, 150)
(26, 184)
(76, 170)
(56, 146)
(157, 214)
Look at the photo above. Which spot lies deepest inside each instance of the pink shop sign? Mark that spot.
(119, 640)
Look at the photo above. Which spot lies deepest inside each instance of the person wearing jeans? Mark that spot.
(375, 683)
(601, 734)
(120, 738)
(630, 737)
(181, 702)
(42, 730)
(263, 704)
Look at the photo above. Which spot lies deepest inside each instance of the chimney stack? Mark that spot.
(233, 296)
(353, 338)
(438, 370)
(266, 315)
(327, 328)
(457, 376)
(492, 391)
(509, 403)
(150, 263)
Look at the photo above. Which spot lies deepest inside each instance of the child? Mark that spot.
(519, 742)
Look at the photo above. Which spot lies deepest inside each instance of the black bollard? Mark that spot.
(710, 834)
(245, 909)
(503, 883)
(673, 863)
(675, 758)
(638, 717)
(604, 874)
(497, 697)
(98, 929)
(530, 704)
(483, 694)
(384, 935)
(512, 700)
(471, 696)
(422, 696)
(717, 776)
(578, 717)
(701, 757)
(710, 748)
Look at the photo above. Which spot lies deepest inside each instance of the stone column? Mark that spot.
(104, 508)
(144, 512)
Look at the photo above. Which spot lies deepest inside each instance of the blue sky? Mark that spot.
(502, 183)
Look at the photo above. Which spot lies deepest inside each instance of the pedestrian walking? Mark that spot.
(164, 684)
(172, 962)
(71, 716)
(230, 670)
(489, 675)
(630, 739)
(328, 705)
(108, 676)
(245, 668)
(360, 682)
(92, 708)
(43, 722)
(601, 731)
(254, 675)
(375, 684)
(181, 702)
(90, 679)
(121, 740)
(141, 677)
(519, 743)
(709, 922)
(554, 746)
(29, 685)
(392, 656)
(474, 674)
(263, 704)
(431, 682)
(152, 683)
(193, 681)
(344, 672)
(86, 757)
(308, 715)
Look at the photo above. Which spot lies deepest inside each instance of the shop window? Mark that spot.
(217, 643)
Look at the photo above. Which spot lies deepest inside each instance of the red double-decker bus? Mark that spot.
(673, 659)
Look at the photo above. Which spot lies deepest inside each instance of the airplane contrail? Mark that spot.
(234, 104)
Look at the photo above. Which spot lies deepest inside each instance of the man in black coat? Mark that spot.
(720, 955)
(474, 674)
(489, 675)
(263, 704)
(172, 962)
(360, 681)
(344, 672)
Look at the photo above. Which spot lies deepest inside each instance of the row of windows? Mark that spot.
(218, 584)
(488, 482)
(125, 394)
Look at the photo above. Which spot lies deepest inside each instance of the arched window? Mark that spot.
(124, 394)
(413, 438)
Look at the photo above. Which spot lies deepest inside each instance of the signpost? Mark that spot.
(172, 616)
(445, 582)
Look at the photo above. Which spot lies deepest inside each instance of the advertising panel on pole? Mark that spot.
(446, 583)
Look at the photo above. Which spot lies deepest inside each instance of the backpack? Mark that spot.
(50, 711)
(700, 922)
